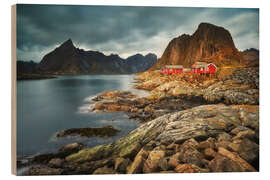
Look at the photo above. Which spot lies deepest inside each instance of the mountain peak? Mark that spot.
(208, 43)
(67, 44)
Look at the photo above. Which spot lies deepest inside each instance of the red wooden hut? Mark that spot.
(203, 67)
(169, 69)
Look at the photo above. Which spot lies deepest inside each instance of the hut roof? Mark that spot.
(199, 64)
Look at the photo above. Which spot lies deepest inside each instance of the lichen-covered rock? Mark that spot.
(198, 122)
(246, 148)
(96, 153)
(231, 92)
(189, 153)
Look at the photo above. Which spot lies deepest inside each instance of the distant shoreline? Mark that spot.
(34, 77)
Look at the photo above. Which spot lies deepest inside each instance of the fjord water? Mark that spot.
(47, 106)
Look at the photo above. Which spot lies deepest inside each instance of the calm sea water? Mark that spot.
(45, 107)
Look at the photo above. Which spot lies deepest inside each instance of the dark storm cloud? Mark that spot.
(122, 30)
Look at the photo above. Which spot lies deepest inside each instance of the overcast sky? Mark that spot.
(123, 30)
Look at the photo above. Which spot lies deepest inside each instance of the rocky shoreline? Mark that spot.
(188, 125)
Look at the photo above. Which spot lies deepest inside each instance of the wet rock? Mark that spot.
(152, 162)
(106, 131)
(56, 163)
(104, 170)
(226, 161)
(189, 168)
(70, 148)
(43, 158)
(44, 170)
(121, 164)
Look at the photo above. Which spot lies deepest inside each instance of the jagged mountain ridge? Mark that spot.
(209, 43)
(68, 59)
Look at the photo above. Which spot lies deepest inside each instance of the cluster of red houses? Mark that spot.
(198, 67)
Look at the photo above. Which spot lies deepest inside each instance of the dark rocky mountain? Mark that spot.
(26, 67)
(140, 63)
(209, 43)
(67, 59)
(250, 57)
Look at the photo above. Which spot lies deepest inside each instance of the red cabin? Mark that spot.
(203, 67)
(169, 69)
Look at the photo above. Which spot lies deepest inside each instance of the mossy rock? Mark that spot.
(106, 131)
(95, 153)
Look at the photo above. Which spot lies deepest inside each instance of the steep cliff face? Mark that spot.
(208, 43)
(68, 59)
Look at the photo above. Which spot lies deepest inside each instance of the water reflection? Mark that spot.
(47, 106)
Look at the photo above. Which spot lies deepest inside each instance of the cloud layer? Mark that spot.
(123, 30)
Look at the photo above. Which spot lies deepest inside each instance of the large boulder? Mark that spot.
(137, 164)
(247, 149)
(226, 161)
(152, 162)
(189, 153)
